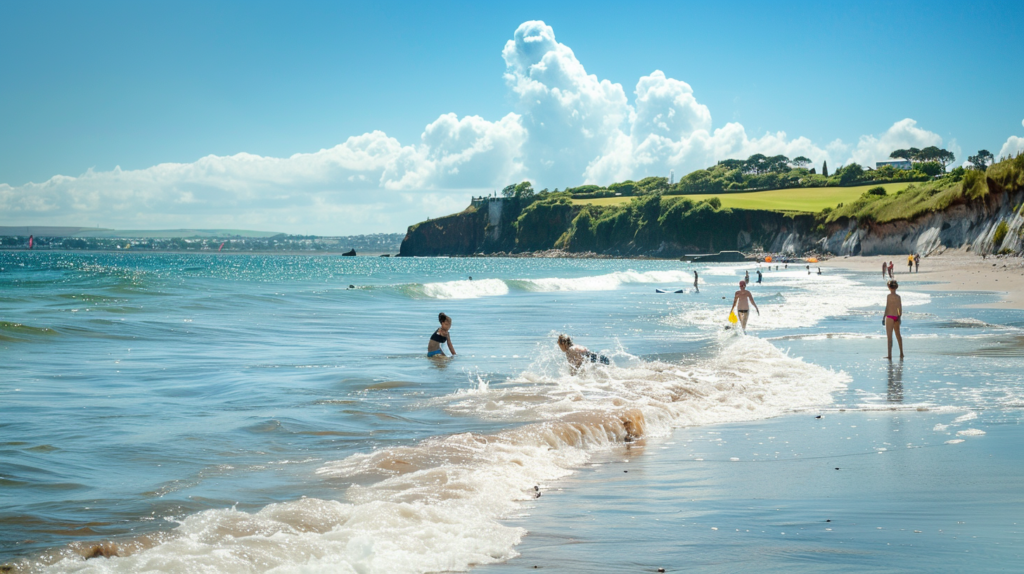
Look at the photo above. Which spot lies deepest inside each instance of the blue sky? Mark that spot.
(92, 86)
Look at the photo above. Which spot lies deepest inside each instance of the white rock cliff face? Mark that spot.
(971, 227)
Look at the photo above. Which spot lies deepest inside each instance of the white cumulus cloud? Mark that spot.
(1014, 145)
(903, 134)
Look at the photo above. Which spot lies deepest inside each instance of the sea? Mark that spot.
(277, 413)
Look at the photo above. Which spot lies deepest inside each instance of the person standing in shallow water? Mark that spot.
(893, 318)
(440, 337)
(884, 269)
(741, 303)
(695, 282)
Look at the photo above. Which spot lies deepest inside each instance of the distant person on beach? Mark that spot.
(910, 263)
(578, 354)
(917, 262)
(884, 269)
(741, 303)
(890, 269)
(819, 270)
(746, 276)
(440, 337)
(893, 316)
(695, 282)
(758, 276)
(808, 269)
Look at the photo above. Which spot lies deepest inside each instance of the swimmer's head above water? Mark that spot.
(443, 319)
(743, 284)
(564, 342)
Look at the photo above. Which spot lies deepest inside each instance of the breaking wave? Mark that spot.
(437, 505)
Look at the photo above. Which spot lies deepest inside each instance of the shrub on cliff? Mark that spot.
(1001, 230)
(542, 223)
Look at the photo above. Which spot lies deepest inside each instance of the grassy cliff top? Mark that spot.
(797, 199)
(919, 199)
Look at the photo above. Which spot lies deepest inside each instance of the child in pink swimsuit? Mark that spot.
(893, 314)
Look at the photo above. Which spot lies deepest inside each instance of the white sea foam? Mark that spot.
(606, 282)
(437, 505)
(467, 289)
(792, 299)
(964, 418)
(747, 379)
(970, 432)
(463, 289)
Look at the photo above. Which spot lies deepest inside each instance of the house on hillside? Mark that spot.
(898, 163)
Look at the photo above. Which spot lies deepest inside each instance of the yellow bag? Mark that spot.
(733, 318)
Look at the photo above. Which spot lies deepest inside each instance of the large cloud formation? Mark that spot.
(569, 128)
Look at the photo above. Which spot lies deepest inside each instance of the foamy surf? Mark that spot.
(438, 505)
(808, 300)
(470, 289)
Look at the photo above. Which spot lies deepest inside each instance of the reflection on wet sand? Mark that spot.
(895, 392)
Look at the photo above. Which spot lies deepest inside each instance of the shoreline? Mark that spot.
(951, 271)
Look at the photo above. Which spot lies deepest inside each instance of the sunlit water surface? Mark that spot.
(251, 413)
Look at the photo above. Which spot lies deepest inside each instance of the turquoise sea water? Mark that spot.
(254, 413)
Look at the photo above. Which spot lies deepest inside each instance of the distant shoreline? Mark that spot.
(953, 270)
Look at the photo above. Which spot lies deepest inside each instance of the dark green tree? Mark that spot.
(824, 168)
(756, 164)
(800, 161)
(523, 190)
(850, 174)
(981, 161)
(930, 168)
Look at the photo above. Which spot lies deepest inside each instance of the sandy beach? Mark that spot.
(951, 271)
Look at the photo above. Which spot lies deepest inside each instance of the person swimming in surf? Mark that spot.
(440, 337)
(741, 302)
(893, 317)
(578, 354)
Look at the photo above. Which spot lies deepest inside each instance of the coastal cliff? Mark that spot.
(653, 226)
(978, 211)
(981, 214)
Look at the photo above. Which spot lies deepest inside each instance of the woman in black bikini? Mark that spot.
(440, 337)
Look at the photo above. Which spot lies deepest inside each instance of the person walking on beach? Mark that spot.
(890, 269)
(741, 302)
(884, 269)
(746, 276)
(917, 262)
(440, 337)
(910, 263)
(578, 354)
(893, 316)
(697, 289)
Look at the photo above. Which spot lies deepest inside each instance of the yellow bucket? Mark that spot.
(733, 318)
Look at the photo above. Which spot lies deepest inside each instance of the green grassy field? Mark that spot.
(806, 199)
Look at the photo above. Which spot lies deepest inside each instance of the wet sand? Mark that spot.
(950, 271)
(851, 492)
